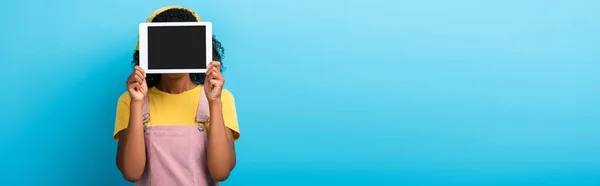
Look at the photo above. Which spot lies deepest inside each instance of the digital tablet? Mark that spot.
(175, 47)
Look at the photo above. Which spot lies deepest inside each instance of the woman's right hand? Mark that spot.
(136, 85)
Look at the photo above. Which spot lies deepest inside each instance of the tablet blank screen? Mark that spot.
(176, 47)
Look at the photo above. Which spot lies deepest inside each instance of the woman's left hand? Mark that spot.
(213, 83)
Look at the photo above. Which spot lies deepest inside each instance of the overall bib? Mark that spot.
(176, 154)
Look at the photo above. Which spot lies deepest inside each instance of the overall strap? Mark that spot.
(202, 112)
(145, 112)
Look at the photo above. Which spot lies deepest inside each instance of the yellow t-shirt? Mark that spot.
(175, 109)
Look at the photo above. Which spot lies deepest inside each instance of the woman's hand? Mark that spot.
(213, 83)
(136, 85)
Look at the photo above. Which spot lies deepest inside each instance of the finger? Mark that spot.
(130, 86)
(210, 73)
(139, 69)
(217, 78)
(209, 67)
(129, 79)
(217, 75)
(133, 76)
(214, 72)
(139, 77)
(209, 70)
(206, 79)
(207, 74)
(140, 72)
(216, 83)
(216, 64)
(211, 64)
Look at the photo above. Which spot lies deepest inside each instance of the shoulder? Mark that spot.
(124, 98)
(227, 97)
(226, 94)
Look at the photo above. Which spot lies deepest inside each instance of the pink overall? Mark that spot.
(176, 154)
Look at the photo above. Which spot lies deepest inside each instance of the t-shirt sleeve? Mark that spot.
(122, 116)
(229, 113)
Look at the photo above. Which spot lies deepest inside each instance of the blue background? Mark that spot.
(370, 92)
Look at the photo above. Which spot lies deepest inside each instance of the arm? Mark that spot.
(221, 151)
(131, 152)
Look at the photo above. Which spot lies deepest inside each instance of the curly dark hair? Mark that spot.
(181, 15)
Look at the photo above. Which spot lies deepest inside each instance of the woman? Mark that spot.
(176, 129)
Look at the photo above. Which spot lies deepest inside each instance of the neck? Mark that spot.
(175, 85)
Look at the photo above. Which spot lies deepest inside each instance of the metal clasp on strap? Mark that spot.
(201, 127)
